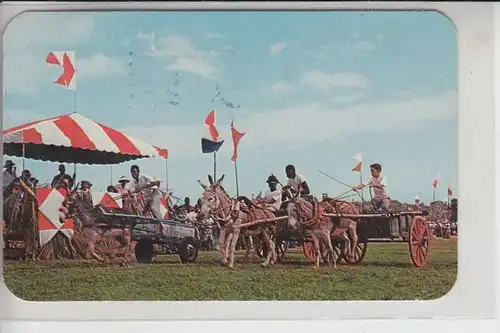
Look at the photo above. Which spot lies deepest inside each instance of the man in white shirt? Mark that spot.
(378, 187)
(9, 175)
(148, 186)
(272, 199)
(296, 181)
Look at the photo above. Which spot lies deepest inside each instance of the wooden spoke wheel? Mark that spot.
(359, 253)
(418, 242)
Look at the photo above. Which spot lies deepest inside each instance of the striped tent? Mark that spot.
(73, 138)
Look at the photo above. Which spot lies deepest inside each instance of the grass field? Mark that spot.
(385, 274)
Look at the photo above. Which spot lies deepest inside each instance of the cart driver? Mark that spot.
(297, 182)
(149, 188)
(272, 199)
(378, 186)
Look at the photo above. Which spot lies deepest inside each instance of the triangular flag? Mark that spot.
(236, 140)
(435, 182)
(359, 161)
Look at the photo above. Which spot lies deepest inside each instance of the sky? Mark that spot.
(313, 90)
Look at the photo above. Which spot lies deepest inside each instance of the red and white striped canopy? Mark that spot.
(72, 138)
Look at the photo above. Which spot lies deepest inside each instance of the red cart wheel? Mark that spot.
(418, 242)
(308, 250)
(359, 254)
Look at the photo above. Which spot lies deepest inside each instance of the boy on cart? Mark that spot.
(378, 188)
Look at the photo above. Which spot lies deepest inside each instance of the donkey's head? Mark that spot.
(213, 197)
(85, 212)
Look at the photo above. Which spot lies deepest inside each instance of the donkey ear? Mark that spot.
(202, 185)
(219, 182)
(210, 180)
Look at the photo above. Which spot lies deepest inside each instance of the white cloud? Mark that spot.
(309, 123)
(214, 35)
(355, 35)
(346, 99)
(315, 54)
(186, 57)
(281, 86)
(15, 117)
(318, 122)
(26, 74)
(145, 36)
(325, 81)
(99, 65)
(47, 30)
(363, 46)
(276, 48)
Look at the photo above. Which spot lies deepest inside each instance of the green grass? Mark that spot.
(385, 274)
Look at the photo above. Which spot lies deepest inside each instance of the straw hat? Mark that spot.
(123, 179)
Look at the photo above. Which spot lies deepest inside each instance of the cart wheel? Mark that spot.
(418, 242)
(188, 250)
(144, 251)
(308, 250)
(359, 254)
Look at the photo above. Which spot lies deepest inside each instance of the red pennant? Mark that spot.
(236, 141)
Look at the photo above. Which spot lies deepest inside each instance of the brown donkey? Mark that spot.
(228, 213)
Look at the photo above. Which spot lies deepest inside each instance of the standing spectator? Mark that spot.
(57, 180)
(9, 175)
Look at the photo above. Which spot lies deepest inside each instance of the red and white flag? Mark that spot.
(359, 162)
(66, 61)
(450, 191)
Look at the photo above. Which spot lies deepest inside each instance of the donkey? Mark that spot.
(331, 205)
(308, 215)
(94, 227)
(227, 212)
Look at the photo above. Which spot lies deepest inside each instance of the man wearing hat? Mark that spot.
(84, 194)
(122, 184)
(9, 175)
(272, 199)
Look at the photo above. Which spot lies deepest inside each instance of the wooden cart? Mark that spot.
(408, 227)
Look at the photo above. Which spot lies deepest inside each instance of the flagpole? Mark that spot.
(434, 195)
(24, 154)
(215, 166)
(236, 176)
(361, 182)
(166, 174)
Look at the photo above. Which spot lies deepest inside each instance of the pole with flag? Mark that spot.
(212, 141)
(66, 61)
(358, 158)
(450, 193)
(236, 141)
(166, 174)
(435, 185)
